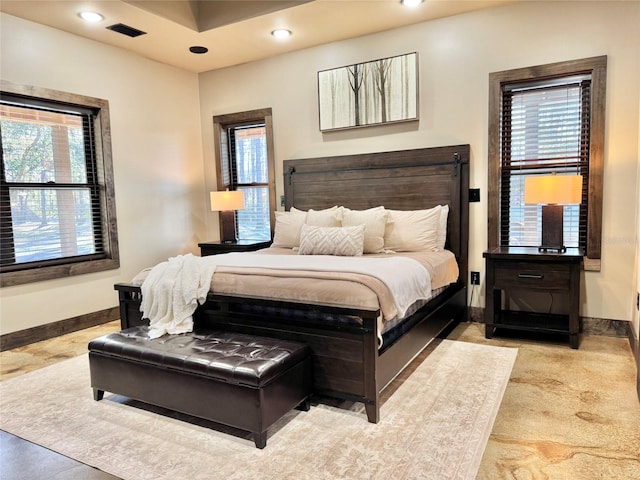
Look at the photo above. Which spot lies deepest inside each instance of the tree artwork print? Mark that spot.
(371, 93)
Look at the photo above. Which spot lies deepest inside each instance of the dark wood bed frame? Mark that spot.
(347, 362)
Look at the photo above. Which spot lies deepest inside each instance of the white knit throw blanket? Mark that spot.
(172, 291)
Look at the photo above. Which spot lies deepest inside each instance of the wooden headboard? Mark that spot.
(399, 180)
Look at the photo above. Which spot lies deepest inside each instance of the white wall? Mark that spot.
(456, 55)
(635, 318)
(157, 160)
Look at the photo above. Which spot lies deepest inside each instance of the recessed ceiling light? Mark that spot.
(198, 49)
(91, 17)
(411, 3)
(281, 33)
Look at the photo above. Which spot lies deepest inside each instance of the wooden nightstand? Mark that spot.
(215, 248)
(524, 269)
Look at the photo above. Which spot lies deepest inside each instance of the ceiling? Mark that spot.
(234, 31)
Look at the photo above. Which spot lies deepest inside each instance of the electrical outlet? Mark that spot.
(282, 200)
(475, 278)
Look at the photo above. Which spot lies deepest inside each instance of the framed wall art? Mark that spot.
(370, 93)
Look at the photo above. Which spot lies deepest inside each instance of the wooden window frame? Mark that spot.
(220, 124)
(104, 170)
(597, 68)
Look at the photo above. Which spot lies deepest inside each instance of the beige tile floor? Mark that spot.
(25, 359)
(566, 414)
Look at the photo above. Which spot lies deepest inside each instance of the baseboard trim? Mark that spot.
(634, 343)
(635, 349)
(476, 314)
(605, 327)
(591, 326)
(50, 330)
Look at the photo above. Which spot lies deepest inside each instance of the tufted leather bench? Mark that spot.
(243, 381)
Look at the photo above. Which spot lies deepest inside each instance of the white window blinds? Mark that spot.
(247, 169)
(544, 129)
(51, 207)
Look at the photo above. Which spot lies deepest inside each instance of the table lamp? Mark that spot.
(553, 192)
(227, 203)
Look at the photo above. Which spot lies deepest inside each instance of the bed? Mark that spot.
(349, 359)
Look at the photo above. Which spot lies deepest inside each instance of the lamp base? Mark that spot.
(552, 229)
(228, 226)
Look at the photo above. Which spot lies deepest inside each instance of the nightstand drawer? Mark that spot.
(532, 275)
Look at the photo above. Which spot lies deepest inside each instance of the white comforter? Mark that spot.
(173, 289)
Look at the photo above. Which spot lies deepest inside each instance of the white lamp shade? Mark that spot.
(553, 189)
(228, 200)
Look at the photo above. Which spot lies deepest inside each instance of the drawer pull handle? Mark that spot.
(538, 276)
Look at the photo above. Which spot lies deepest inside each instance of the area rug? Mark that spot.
(435, 422)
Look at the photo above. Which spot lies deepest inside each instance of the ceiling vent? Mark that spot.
(126, 30)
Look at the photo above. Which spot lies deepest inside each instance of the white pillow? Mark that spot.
(329, 217)
(344, 241)
(287, 231)
(442, 227)
(375, 222)
(412, 230)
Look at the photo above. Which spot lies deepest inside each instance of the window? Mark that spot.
(544, 130)
(244, 153)
(543, 120)
(56, 189)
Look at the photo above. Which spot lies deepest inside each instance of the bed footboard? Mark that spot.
(347, 363)
(129, 298)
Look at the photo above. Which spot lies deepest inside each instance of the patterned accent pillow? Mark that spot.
(343, 241)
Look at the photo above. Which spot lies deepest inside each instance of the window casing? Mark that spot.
(542, 120)
(56, 186)
(244, 161)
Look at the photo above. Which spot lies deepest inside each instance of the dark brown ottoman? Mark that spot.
(243, 381)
